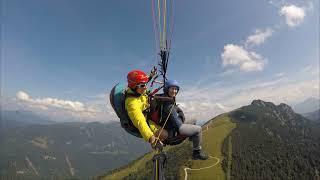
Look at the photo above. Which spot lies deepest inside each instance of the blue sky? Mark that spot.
(59, 56)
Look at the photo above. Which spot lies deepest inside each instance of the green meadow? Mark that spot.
(213, 138)
(133, 168)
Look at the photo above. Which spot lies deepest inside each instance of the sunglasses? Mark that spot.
(141, 85)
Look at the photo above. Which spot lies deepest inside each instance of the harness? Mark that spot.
(128, 125)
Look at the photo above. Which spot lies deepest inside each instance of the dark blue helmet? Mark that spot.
(170, 83)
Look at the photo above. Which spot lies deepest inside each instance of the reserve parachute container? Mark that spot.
(117, 101)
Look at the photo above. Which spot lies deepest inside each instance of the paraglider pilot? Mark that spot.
(136, 105)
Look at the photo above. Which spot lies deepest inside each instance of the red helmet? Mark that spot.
(136, 77)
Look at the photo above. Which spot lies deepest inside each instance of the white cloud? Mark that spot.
(222, 107)
(65, 110)
(227, 72)
(199, 102)
(262, 84)
(310, 6)
(294, 15)
(203, 103)
(287, 92)
(247, 61)
(23, 96)
(59, 103)
(280, 74)
(200, 110)
(311, 70)
(259, 37)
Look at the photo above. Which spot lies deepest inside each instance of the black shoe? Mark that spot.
(199, 155)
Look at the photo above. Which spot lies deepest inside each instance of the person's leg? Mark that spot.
(156, 130)
(163, 136)
(194, 132)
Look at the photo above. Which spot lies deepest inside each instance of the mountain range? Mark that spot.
(314, 116)
(308, 105)
(64, 150)
(258, 141)
(10, 118)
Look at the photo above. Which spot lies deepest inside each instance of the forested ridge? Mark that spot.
(273, 142)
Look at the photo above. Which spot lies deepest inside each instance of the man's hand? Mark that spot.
(157, 145)
(152, 139)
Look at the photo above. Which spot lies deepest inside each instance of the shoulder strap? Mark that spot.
(128, 125)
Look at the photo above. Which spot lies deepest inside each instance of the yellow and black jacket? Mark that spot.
(136, 106)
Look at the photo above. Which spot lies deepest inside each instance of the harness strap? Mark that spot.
(157, 139)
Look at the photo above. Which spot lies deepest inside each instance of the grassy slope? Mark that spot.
(215, 135)
(133, 167)
(142, 168)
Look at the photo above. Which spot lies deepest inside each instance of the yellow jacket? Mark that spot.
(135, 106)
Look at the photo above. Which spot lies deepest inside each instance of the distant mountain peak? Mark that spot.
(282, 112)
(282, 106)
(261, 103)
(309, 105)
(286, 108)
(258, 102)
(314, 116)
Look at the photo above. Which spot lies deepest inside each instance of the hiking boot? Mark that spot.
(199, 155)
